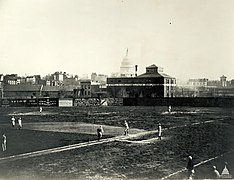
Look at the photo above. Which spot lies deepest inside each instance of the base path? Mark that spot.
(70, 147)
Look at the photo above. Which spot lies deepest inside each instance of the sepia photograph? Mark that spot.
(116, 89)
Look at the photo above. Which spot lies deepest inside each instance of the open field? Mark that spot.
(203, 133)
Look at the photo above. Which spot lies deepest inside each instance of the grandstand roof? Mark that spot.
(22, 87)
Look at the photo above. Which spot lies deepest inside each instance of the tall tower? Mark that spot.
(126, 68)
(223, 80)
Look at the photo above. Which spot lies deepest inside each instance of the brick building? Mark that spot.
(153, 83)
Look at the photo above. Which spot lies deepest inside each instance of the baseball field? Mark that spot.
(61, 142)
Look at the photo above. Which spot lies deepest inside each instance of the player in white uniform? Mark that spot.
(40, 109)
(126, 128)
(169, 109)
(4, 141)
(159, 131)
(20, 123)
(13, 121)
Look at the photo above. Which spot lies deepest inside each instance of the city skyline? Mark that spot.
(189, 39)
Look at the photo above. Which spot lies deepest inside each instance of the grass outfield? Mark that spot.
(116, 159)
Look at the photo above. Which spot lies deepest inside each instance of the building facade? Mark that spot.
(194, 83)
(223, 81)
(150, 84)
(85, 88)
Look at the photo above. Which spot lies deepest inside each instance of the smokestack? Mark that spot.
(135, 70)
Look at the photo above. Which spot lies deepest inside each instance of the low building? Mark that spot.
(12, 79)
(195, 83)
(89, 89)
(58, 91)
(22, 91)
(152, 83)
(94, 77)
(85, 90)
(38, 91)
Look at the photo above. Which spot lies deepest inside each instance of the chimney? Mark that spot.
(135, 70)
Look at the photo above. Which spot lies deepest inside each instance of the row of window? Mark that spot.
(168, 81)
(173, 81)
(87, 93)
(85, 86)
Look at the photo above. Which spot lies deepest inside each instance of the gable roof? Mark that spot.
(152, 66)
(154, 75)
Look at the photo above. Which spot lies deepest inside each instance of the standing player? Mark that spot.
(13, 121)
(4, 141)
(99, 132)
(159, 131)
(126, 128)
(169, 109)
(190, 167)
(40, 110)
(216, 174)
(20, 123)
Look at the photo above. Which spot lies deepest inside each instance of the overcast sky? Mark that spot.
(188, 38)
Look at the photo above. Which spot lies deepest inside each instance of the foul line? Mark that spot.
(59, 149)
(202, 162)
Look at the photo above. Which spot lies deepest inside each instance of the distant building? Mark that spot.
(194, 83)
(61, 79)
(57, 78)
(37, 91)
(150, 84)
(214, 83)
(206, 88)
(58, 91)
(94, 77)
(71, 81)
(115, 74)
(102, 79)
(232, 82)
(85, 88)
(12, 79)
(36, 79)
(223, 80)
(126, 68)
(89, 89)
(99, 78)
(22, 91)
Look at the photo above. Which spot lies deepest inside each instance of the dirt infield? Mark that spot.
(78, 127)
